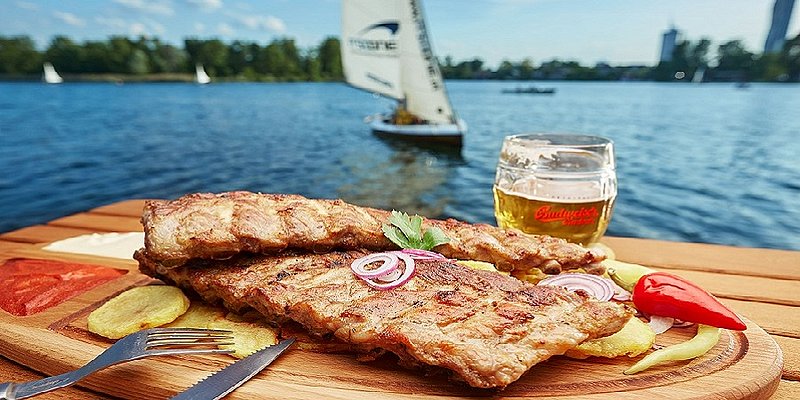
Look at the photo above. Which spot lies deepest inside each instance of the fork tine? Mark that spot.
(190, 342)
(187, 329)
(189, 336)
(163, 352)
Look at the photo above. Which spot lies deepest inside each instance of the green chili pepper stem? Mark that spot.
(626, 274)
(706, 338)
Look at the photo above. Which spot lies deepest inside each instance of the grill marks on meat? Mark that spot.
(486, 327)
(213, 226)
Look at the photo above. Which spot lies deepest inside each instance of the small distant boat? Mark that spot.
(530, 90)
(200, 75)
(50, 74)
(386, 51)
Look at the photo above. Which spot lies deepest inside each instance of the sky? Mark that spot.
(619, 32)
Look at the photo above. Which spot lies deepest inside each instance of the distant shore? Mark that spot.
(190, 78)
(132, 78)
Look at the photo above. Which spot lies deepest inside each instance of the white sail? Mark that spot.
(370, 46)
(200, 74)
(698, 75)
(50, 74)
(386, 50)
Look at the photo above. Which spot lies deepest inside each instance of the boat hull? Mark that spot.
(445, 134)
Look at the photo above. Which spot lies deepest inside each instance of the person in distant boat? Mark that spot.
(402, 116)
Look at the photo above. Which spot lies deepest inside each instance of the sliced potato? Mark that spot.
(248, 337)
(633, 339)
(137, 309)
(481, 265)
(250, 332)
(199, 315)
(534, 275)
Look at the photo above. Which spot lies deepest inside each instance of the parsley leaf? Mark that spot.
(406, 232)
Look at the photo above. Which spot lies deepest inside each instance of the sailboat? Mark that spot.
(50, 74)
(200, 75)
(699, 73)
(386, 50)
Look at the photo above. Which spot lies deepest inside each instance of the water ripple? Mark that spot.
(705, 163)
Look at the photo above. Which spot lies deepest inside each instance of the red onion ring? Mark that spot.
(621, 294)
(681, 324)
(390, 262)
(419, 254)
(660, 324)
(388, 275)
(596, 286)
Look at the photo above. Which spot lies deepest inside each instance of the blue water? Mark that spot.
(701, 163)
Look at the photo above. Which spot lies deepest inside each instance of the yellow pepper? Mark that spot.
(706, 338)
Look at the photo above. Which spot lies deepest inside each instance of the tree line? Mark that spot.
(733, 62)
(283, 60)
(279, 60)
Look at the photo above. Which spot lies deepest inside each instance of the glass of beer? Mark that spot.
(562, 185)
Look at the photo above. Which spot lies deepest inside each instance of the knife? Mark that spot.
(222, 382)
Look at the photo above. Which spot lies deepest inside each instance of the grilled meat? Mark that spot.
(486, 327)
(221, 225)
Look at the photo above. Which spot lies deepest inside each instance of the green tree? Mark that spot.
(18, 55)
(96, 57)
(212, 54)
(698, 54)
(790, 57)
(330, 59)
(168, 58)
(734, 61)
(506, 70)
(526, 69)
(240, 56)
(64, 54)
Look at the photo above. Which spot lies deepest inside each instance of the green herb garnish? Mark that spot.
(406, 232)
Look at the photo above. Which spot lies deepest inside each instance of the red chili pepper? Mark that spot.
(667, 295)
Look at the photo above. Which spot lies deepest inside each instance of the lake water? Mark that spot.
(701, 163)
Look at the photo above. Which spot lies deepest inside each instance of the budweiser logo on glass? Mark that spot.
(560, 185)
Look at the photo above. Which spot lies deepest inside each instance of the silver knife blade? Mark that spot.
(222, 382)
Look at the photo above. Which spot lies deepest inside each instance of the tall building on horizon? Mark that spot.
(668, 44)
(781, 14)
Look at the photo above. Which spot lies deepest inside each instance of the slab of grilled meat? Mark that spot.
(486, 327)
(220, 225)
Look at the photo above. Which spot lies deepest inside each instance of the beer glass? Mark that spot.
(562, 185)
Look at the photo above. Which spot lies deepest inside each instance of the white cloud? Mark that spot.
(156, 27)
(265, 23)
(27, 6)
(206, 5)
(148, 6)
(113, 23)
(225, 29)
(133, 28)
(138, 29)
(199, 27)
(69, 18)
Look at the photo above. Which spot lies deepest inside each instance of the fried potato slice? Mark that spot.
(136, 309)
(633, 339)
(481, 265)
(199, 315)
(250, 331)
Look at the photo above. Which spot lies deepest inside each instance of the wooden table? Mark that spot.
(763, 285)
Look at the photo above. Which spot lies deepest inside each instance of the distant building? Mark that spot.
(668, 44)
(781, 13)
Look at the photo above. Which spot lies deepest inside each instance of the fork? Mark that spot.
(150, 342)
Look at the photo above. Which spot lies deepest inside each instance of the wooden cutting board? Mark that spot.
(744, 365)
